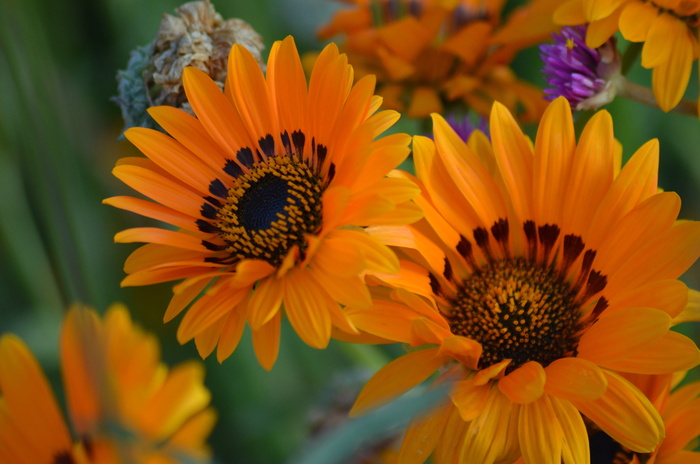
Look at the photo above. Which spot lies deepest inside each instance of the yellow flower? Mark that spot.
(269, 188)
(428, 54)
(544, 271)
(668, 28)
(124, 404)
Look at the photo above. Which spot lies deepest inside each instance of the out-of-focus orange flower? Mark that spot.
(125, 405)
(429, 54)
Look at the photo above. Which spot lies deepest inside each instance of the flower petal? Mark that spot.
(625, 414)
(619, 335)
(525, 384)
(396, 378)
(575, 379)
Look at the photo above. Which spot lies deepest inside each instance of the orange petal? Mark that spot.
(469, 399)
(175, 159)
(555, 146)
(306, 309)
(266, 342)
(396, 378)
(207, 310)
(250, 94)
(537, 446)
(483, 432)
(621, 334)
(601, 30)
(525, 384)
(636, 20)
(466, 171)
(670, 78)
(575, 446)
(160, 236)
(385, 319)
(153, 210)
(30, 402)
(287, 84)
(181, 395)
(187, 130)
(216, 113)
(591, 173)
(423, 434)
(671, 353)
(462, 349)
(265, 301)
(232, 331)
(574, 379)
(514, 154)
(625, 414)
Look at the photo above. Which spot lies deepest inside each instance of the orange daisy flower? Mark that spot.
(269, 187)
(429, 54)
(123, 403)
(668, 28)
(545, 270)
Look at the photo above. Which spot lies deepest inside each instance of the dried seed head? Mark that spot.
(199, 37)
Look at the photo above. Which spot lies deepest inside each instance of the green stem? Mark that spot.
(642, 94)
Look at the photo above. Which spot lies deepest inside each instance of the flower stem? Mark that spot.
(639, 93)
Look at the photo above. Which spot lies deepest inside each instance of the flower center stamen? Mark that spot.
(270, 209)
(519, 310)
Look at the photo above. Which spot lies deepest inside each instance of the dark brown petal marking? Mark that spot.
(298, 139)
(481, 237)
(464, 248)
(286, 143)
(434, 284)
(573, 247)
(531, 236)
(548, 233)
(267, 145)
(232, 168)
(500, 232)
(64, 457)
(245, 157)
(447, 272)
(216, 187)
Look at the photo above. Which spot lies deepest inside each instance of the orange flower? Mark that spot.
(668, 28)
(429, 54)
(269, 188)
(542, 272)
(124, 404)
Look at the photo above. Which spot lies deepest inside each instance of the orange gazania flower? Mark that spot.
(668, 28)
(269, 187)
(546, 272)
(123, 403)
(428, 54)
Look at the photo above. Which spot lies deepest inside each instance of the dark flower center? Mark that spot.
(270, 209)
(517, 310)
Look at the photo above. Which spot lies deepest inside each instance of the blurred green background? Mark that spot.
(58, 144)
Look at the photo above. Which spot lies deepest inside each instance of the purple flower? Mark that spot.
(576, 72)
(464, 125)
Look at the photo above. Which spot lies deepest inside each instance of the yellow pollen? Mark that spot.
(570, 44)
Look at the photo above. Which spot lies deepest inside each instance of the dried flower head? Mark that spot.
(198, 37)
